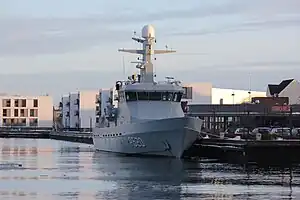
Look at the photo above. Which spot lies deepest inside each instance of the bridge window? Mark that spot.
(155, 96)
(143, 95)
(167, 96)
(170, 96)
(131, 96)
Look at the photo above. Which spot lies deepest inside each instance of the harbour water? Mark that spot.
(49, 169)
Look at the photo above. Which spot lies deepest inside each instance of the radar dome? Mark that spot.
(148, 31)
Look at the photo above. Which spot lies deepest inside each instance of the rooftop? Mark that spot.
(276, 89)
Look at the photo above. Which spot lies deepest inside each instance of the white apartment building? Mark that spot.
(205, 93)
(83, 109)
(29, 111)
(79, 109)
(106, 98)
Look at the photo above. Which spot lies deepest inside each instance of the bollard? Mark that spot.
(258, 136)
(222, 134)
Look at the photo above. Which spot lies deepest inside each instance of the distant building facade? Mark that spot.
(231, 96)
(105, 98)
(205, 93)
(26, 111)
(287, 88)
(78, 109)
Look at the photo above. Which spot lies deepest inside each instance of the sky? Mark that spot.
(59, 46)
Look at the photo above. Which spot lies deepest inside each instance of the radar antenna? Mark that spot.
(145, 64)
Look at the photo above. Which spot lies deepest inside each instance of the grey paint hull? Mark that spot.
(165, 137)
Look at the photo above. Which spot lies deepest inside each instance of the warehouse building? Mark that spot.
(205, 93)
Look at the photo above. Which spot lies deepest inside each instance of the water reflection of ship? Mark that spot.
(140, 178)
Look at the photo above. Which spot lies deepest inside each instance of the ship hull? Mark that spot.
(165, 137)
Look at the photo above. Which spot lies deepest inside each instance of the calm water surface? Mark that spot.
(62, 170)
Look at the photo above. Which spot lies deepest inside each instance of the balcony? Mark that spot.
(76, 102)
(109, 100)
(98, 101)
(98, 113)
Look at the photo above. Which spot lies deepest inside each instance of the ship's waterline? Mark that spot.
(166, 137)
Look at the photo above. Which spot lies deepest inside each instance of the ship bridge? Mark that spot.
(151, 92)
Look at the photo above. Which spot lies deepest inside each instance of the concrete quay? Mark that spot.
(267, 152)
(80, 137)
(71, 136)
(33, 135)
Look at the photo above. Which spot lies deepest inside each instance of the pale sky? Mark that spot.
(58, 46)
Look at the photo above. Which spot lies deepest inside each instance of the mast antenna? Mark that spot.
(145, 64)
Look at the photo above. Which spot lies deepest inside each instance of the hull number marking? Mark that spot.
(136, 142)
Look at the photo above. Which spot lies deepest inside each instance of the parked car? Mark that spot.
(242, 132)
(264, 131)
(283, 132)
(229, 133)
(296, 132)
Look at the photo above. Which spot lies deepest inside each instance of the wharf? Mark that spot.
(80, 137)
(35, 135)
(224, 150)
(247, 151)
(71, 136)
(38, 133)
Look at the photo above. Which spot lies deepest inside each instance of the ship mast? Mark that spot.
(146, 66)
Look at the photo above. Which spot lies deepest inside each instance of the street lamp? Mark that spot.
(232, 97)
(249, 92)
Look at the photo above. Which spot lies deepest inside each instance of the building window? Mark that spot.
(33, 113)
(97, 120)
(33, 122)
(16, 112)
(22, 113)
(35, 103)
(23, 103)
(23, 122)
(6, 102)
(4, 121)
(4, 111)
(16, 102)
